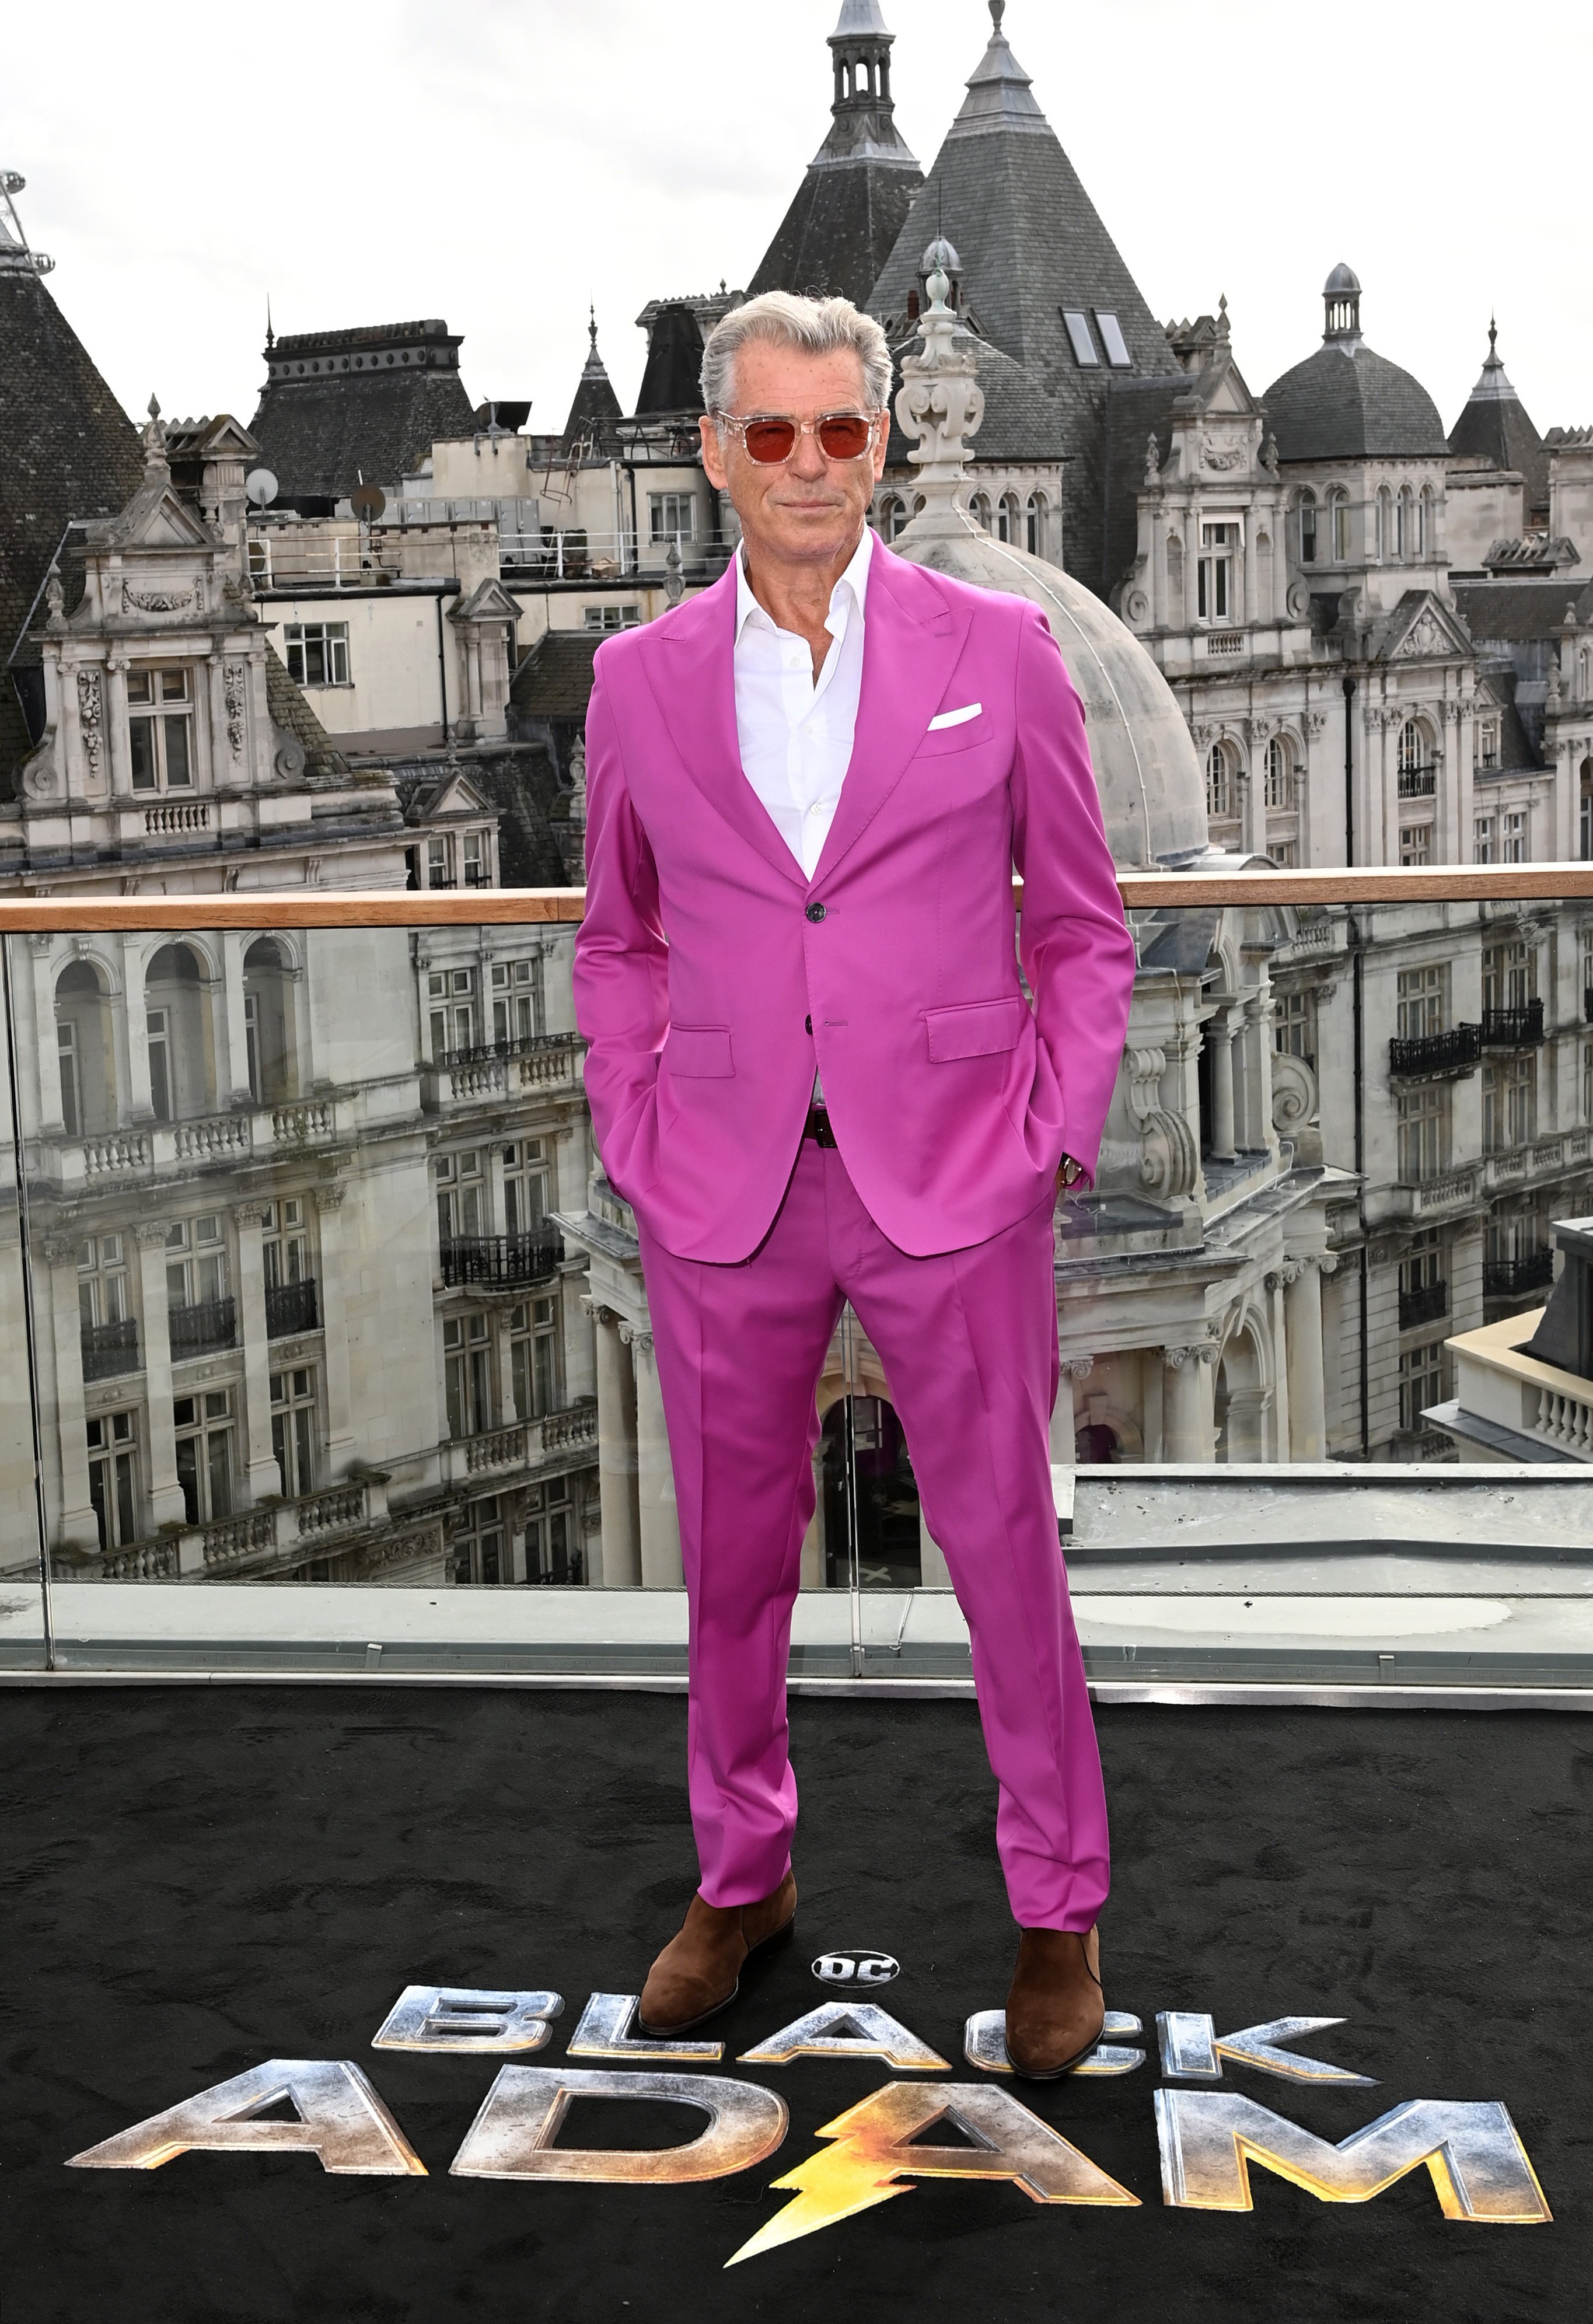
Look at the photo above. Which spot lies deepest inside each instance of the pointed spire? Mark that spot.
(271, 336)
(862, 123)
(941, 402)
(1493, 383)
(595, 406)
(154, 440)
(1000, 95)
(15, 257)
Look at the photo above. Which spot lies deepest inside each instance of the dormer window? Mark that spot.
(1083, 345)
(1113, 341)
(160, 731)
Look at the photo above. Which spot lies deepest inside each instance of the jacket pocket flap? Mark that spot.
(699, 1052)
(982, 1029)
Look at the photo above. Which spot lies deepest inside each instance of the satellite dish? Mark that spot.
(367, 501)
(260, 486)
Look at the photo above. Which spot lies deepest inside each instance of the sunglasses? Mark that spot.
(841, 435)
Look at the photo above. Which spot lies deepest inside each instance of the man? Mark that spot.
(814, 1076)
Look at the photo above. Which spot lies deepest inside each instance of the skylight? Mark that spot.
(1078, 331)
(1113, 341)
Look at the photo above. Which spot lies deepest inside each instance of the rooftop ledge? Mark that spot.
(1385, 1583)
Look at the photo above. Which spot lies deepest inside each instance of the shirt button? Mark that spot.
(816, 913)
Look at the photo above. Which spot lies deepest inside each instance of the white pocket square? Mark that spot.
(955, 717)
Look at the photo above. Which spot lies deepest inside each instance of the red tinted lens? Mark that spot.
(844, 435)
(769, 440)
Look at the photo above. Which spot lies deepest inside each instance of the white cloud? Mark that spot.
(501, 161)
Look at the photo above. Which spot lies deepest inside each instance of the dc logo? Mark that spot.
(853, 1968)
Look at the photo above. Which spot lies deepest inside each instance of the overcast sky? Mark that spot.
(501, 161)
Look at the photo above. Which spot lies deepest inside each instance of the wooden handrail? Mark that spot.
(330, 908)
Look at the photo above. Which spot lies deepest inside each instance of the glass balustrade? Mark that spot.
(339, 1351)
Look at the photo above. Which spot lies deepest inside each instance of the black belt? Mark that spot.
(817, 1127)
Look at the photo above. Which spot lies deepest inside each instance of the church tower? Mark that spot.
(850, 207)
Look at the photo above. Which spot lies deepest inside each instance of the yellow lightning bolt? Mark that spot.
(838, 2181)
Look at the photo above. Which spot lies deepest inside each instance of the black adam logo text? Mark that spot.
(1211, 2136)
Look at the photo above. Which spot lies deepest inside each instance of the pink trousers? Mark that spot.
(968, 1343)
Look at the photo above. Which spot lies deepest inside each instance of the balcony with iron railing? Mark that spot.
(1512, 1278)
(501, 1262)
(110, 1350)
(1418, 782)
(1426, 1303)
(201, 1328)
(1437, 1056)
(1520, 1028)
(290, 1307)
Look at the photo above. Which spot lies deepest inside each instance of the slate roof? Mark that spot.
(1021, 421)
(1346, 403)
(1495, 425)
(1520, 612)
(370, 401)
(671, 381)
(555, 679)
(595, 407)
(845, 216)
(67, 450)
(1032, 244)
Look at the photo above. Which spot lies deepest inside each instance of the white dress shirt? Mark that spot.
(796, 731)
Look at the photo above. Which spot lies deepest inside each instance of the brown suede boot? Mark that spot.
(699, 1972)
(1055, 2011)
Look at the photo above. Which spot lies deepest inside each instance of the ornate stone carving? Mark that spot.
(1153, 461)
(940, 402)
(1295, 1098)
(1298, 600)
(250, 1214)
(1427, 635)
(330, 1197)
(155, 601)
(1314, 723)
(91, 717)
(1221, 457)
(235, 689)
(151, 1234)
(1077, 1367)
(1135, 609)
(637, 1339)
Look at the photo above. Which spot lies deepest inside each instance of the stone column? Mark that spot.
(655, 1479)
(1249, 552)
(213, 766)
(1302, 1328)
(233, 1077)
(341, 1447)
(166, 1502)
(261, 1474)
(1187, 1429)
(75, 1527)
(616, 1452)
(46, 1050)
(1220, 1034)
(141, 1106)
(1158, 569)
(118, 744)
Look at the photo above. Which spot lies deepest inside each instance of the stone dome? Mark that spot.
(1346, 403)
(1152, 794)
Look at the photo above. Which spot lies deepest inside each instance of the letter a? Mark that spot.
(846, 2029)
(340, 2118)
(876, 2146)
(1480, 2166)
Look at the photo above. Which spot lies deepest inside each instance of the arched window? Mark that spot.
(1035, 524)
(86, 1048)
(1009, 519)
(1307, 528)
(267, 1021)
(1339, 503)
(895, 519)
(1219, 805)
(1280, 769)
(1584, 675)
(978, 509)
(1418, 776)
(177, 1027)
(1404, 527)
(1424, 522)
(1385, 523)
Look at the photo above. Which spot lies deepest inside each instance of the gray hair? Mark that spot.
(819, 326)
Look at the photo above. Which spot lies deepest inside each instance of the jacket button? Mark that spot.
(809, 1025)
(816, 912)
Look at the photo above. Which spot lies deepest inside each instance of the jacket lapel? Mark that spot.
(691, 668)
(912, 639)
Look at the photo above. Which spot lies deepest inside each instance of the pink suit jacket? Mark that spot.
(711, 975)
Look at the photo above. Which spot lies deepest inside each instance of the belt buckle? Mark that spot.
(818, 1122)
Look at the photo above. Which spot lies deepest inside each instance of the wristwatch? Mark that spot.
(1070, 1173)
